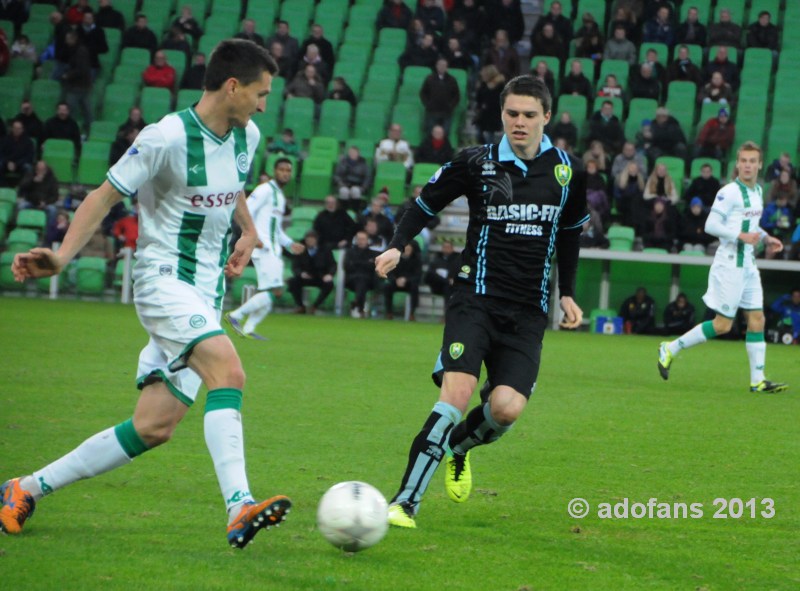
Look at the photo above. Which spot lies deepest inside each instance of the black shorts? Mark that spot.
(506, 336)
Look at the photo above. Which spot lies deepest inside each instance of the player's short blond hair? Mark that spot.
(750, 146)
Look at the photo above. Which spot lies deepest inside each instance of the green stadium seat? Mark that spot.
(695, 53)
(45, 96)
(737, 8)
(222, 24)
(8, 195)
(155, 103)
(186, 98)
(378, 90)
(128, 10)
(268, 122)
(21, 72)
(264, 13)
(597, 8)
(128, 75)
(104, 131)
(370, 120)
(248, 277)
(21, 240)
(619, 68)
(697, 164)
(771, 6)
(38, 33)
(391, 175)
(177, 59)
(60, 155)
(621, 238)
(117, 101)
(703, 10)
(40, 13)
(315, 182)
(93, 163)
(298, 14)
(410, 117)
(422, 173)
(366, 148)
(553, 63)
(781, 138)
(135, 56)
(304, 213)
(32, 219)
(675, 168)
(7, 281)
(11, 96)
(587, 283)
(331, 16)
(334, 119)
(576, 106)
(681, 104)
(392, 38)
(638, 110)
(90, 277)
(324, 147)
(619, 106)
(298, 113)
(385, 55)
(354, 73)
(587, 67)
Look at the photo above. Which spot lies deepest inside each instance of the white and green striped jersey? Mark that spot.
(267, 205)
(737, 208)
(188, 181)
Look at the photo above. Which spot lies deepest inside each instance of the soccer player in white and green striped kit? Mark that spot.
(734, 281)
(188, 172)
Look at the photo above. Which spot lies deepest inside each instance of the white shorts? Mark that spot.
(269, 270)
(177, 317)
(731, 288)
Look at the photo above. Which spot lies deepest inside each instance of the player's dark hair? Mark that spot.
(527, 85)
(240, 59)
(280, 161)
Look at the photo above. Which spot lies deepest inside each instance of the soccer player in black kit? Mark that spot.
(527, 201)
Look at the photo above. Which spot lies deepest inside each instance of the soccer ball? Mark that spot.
(353, 516)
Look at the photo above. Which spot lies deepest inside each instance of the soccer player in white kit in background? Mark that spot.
(734, 281)
(267, 205)
(189, 171)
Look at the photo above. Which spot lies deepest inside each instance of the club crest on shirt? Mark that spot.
(197, 321)
(242, 163)
(563, 174)
(456, 349)
(134, 150)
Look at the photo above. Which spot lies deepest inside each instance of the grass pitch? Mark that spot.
(336, 399)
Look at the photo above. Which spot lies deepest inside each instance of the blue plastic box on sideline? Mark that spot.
(608, 325)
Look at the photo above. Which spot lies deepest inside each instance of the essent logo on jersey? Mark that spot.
(214, 199)
(520, 212)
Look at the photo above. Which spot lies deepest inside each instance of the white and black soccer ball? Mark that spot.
(353, 516)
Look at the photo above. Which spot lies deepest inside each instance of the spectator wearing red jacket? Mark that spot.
(160, 74)
(716, 137)
(76, 11)
(126, 230)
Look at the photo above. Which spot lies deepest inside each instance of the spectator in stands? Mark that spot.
(38, 189)
(109, 17)
(611, 88)
(176, 40)
(543, 72)
(394, 148)
(644, 137)
(359, 267)
(682, 68)
(706, 186)
(159, 74)
(134, 120)
(660, 185)
(63, 127)
(466, 37)
(783, 162)
(644, 84)
(619, 47)
(440, 96)
(317, 37)
(285, 64)
(787, 311)
(505, 15)
(692, 31)
(625, 17)
(443, 270)
(248, 32)
(593, 233)
(34, 128)
(139, 35)
(377, 213)
(416, 31)
(286, 144)
(17, 153)
(629, 195)
(596, 191)
(725, 32)
(721, 64)
(55, 230)
(598, 153)
(564, 129)
(716, 91)
(194, 76)
(436, 147)
(501, 55)
(456, 56)
(351, 177)
(487, 104)
(76, 81)
(660, 29)
(314, 267)
(716, 137)
(74, 14)
(341, 91)
(638, 312)
(14, 11)
(23, 49)
(394, 14)
(576, 83)
(405, 277)
(126, 229)
(473, 15)
(334, 227)
(308, 84)
(627, 155)
(667, 136)
(548, 42)
(423, 54)
(659, 70)
(431, 15)
(187, 23)
(375, 238)
(784, 185)
(763, 33)
(588, 39)
(60, 52)
(679, 316)
(291, 48)
(778, 218)
(691, 227)
(561, 24)
(660, 230)
(94, 38)
(124, 141)
(604, 127)
(312, 57)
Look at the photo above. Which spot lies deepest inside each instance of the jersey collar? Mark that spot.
(213, 136)
(506, 154)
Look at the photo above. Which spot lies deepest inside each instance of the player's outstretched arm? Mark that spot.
(43, 262)
(573, 315)
(243, 248)
(386, 262)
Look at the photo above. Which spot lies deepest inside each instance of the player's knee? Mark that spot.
(722, 325)
(506, 415)
(155, 434)
(236, 377)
